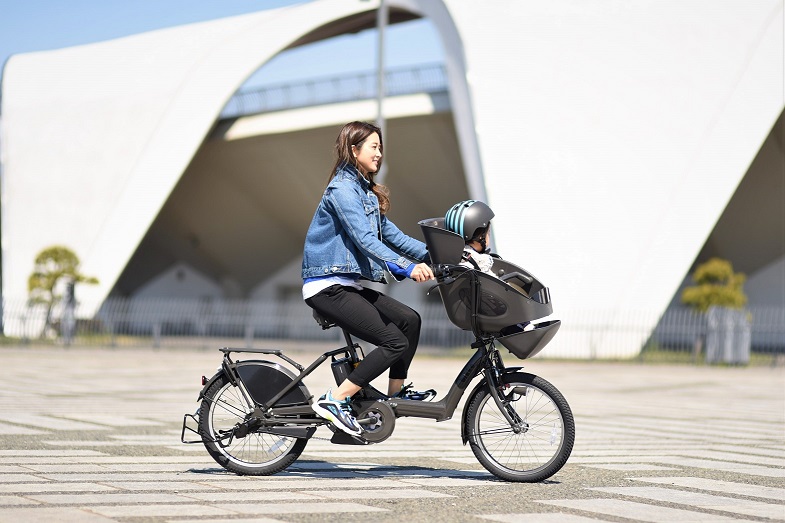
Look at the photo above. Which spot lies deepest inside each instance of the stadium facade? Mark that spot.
(619, 143)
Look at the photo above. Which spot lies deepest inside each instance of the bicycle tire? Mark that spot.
(546, 430)
(255, 454)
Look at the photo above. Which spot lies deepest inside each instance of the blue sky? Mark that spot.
(37, 25)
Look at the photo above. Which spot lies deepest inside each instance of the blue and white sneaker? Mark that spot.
(408, 393)
(338, 412)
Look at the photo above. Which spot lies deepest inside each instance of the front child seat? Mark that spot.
(500, 304)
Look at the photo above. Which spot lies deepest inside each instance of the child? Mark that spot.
(471, 219)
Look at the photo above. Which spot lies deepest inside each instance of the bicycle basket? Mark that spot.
(526, 343)
(518, 298)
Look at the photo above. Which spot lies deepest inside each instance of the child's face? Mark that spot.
(476, 244)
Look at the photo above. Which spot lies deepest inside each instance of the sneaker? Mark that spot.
(338, 412)
(407, 393)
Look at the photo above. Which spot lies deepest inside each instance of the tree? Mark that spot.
(56, 270)
(715, 284)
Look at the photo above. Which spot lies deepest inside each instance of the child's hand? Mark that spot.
(422, 272)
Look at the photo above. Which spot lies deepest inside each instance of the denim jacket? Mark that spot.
(348, 235)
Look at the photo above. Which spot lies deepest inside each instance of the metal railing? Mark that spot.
(589, 334)
(333, 89)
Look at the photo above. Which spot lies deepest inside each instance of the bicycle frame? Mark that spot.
(484, 359)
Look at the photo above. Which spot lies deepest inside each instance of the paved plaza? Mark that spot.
(93, 435)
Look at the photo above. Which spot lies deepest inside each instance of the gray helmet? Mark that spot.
(464, 218)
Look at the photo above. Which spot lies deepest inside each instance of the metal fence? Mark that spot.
(333, 89)
(590, 334)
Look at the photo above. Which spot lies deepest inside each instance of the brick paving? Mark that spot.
(93, 435)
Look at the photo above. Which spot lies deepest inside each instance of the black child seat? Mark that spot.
(506, 302)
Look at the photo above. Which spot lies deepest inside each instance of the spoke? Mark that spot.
(530, 448)
(487, 432)
(230, 408)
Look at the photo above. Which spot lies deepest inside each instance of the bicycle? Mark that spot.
(255, 415)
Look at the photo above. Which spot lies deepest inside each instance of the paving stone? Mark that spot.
(243, 520)
(542, 517)
(16, 430)
(639, 511)
(33, 488)
(159, 511)
(21, 478)
(742, 507)
(155, 486)
(7, 501)
(629, 466)
(378, 494)
(250, 496)
(728, 487)
(301, 508)
(50, 515)
(289, 484)
(104, 498)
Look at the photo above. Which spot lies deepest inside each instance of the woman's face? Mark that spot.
(368, 154)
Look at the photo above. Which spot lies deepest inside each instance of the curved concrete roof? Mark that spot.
(123, 119)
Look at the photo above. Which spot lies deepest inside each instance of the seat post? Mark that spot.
(347, 337)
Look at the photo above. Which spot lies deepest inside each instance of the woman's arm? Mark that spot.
(409, 246)
(346, 204)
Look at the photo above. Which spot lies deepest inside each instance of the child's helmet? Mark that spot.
(464, 218)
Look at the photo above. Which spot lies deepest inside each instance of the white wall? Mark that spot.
(599, 122)
(183, 282)
(766, 287)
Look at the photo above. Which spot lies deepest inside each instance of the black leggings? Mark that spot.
(378, 319)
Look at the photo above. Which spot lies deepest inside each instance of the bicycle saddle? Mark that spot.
(323, 322)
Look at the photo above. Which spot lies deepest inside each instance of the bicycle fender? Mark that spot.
(209, 384)
(482, 383)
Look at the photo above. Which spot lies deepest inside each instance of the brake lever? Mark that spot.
(448, 280)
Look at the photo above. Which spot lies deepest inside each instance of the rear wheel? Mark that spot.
(536, 445)
(222, 418)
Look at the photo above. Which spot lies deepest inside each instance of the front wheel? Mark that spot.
(539, 441)
(222, 418)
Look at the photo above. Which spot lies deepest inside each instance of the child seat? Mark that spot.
(502, 303)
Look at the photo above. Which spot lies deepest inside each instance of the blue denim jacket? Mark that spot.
(348, 234)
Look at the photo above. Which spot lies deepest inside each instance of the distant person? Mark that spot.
(351, 240)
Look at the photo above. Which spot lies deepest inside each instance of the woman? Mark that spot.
(350, 239)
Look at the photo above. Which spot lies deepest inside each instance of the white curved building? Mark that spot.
(609, 137)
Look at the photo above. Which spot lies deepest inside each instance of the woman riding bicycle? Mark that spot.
(349, 240)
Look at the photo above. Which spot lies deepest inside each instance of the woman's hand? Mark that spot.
(422, 272)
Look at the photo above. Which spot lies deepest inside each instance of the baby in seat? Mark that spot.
(471, 219)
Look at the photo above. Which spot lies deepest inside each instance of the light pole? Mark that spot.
(381, 24)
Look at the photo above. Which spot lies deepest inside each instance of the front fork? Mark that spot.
(493, 375)
(494, 382)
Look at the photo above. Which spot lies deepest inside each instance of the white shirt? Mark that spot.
(315, 286)
(483, 261)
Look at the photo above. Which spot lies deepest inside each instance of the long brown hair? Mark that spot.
(354, 134)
